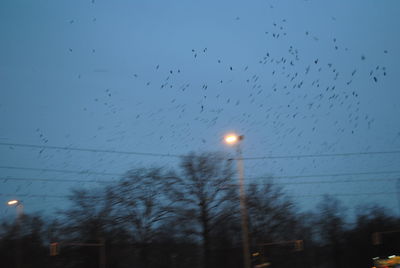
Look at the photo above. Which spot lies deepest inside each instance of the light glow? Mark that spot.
(231, 138)
(12, 202)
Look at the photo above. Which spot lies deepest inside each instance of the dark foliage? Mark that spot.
(191, 218)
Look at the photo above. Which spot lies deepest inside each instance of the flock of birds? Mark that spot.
(286, 91)
(304, 87)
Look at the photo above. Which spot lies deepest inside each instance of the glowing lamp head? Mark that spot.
(232, 138)
(13, 202)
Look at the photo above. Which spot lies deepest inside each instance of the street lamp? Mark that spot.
(234, 139)
(20, 211)
(20, 207)
(12, 202)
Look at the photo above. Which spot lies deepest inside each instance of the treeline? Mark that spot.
(191, 217)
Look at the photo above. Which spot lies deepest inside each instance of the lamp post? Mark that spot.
(19, 206)
(233, 139)
(20, 211)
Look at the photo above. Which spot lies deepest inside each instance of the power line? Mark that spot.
(234, 185)
(87, 172)
(34, 195)
(326, 175)
(336, 182)
(293, 196)
(346, 194)
(55, 180)
(92, 150)
(321, 182)
(81, 172)
(179, 156)
(321, 155)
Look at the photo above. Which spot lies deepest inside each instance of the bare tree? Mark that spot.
(91, 220)
(141, 202)
(271, 213)
(202, 193)
(90, 214)
(331, 226)
(273, 223)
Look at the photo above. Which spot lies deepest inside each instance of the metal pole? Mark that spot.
(398, 189)
(20, 210)
(243, 208)
(20, 213)
(102, 253)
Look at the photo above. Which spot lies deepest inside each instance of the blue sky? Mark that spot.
(170, 77)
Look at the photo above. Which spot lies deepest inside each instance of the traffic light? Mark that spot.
(298, 245)
(54, 249)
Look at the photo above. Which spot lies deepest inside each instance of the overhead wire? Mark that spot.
(5, 179)
(293, 196)
(92, 150)
(298, 156)
(327, 175)
(321, 155)
(87, 172)
(177, 156)
(337, 181)
(54, 180)
(80, 172)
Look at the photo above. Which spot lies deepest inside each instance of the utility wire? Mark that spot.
(86, 172)
(346, 194)
(6, 179)
(179, 156)
(329, 182)
(81, 172)
(293, 196)
(34, 195)
(54, 180)
(341, 181)
(321, 155)
(325, 175)
(86, 149)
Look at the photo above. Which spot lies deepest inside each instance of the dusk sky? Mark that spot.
(295, 78)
